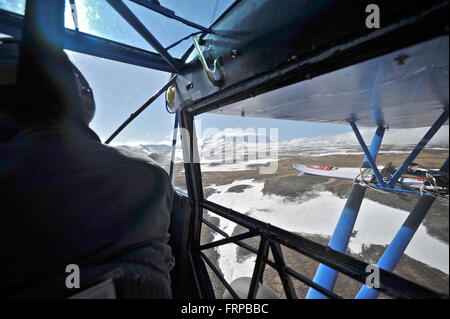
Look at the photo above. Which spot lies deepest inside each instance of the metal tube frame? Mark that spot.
(354, 268)
(174, 146)
(228, 240)
(11, 23)
(281, 268)
(272, 238)
(73, 9)
(258, 270)
(141, 109)
(170, 14)
(195, 193)
(133, 21)
(326, 276)
(419, 147)
(400, 242)
(390, 185)
(369, 157)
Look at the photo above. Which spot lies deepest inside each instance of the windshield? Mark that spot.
(98, 18)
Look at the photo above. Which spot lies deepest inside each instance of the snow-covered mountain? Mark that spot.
(238, 144)
(158, 152)
(397, 137)
(147, 149)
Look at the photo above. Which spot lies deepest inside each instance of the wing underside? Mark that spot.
(310, 62)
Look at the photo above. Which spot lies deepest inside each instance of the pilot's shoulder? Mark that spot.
(126, 155)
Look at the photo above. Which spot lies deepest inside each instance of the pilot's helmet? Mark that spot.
(86, 97)
(9, 61)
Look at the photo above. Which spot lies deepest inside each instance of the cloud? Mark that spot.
(391, 137)
(397, 137)
(169, 143)
(131, 143)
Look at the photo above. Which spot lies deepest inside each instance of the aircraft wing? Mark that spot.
(328, 171)
(317, 61)
(381, 91)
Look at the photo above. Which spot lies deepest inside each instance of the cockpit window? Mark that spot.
(199, 11)
(16, 6)
(98, 18)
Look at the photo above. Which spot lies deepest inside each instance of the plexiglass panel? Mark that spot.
(16, 6)
(199, 11)
(166, 30)
(98, 18)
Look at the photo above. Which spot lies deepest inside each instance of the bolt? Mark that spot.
(234, 53)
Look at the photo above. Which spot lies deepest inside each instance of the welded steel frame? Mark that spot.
(169, 14)
(390, 185)
(401, 240)
(126, 13)
(11, 24)
(340, 238)
(271, 238)
(195, 193)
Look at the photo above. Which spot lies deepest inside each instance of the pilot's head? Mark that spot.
(41, 88)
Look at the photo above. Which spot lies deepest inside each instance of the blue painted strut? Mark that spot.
(399, 190)
(419, 147)
(395, 250)
(327, 276)
(369, 157)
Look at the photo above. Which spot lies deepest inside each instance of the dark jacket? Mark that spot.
(66, 198)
